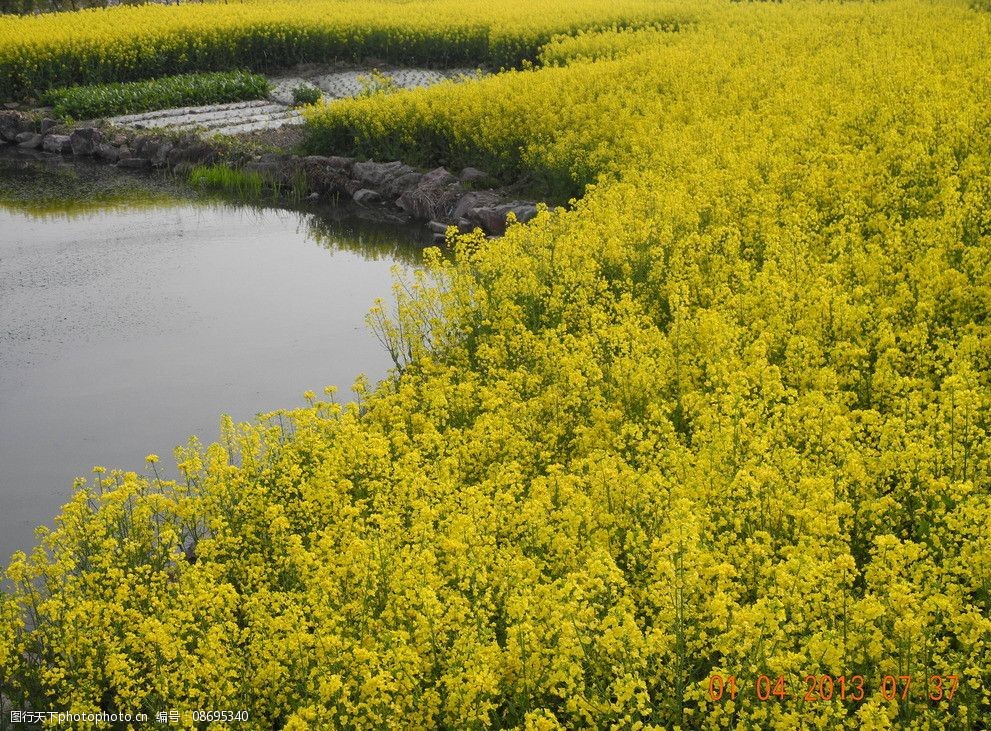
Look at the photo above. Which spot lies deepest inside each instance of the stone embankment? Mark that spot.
(440, 197)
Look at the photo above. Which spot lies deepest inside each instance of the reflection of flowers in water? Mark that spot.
(372, 239)
(56, 209)
(37, 188)
(339, 229)
(32, 188)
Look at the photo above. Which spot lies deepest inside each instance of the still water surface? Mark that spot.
(124, 329)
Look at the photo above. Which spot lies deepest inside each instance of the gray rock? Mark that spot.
(176, 156)
(421, 204)
(321, 176)
(378, 175)
(316, 160)
(155, 149)
(475, 199)
(366, 196)
(84, 140)
(11, 125)
(56, 143)
(524, 212)
(488, 218)
(475, 177)
(119, 140)
(106, 152)
(437, 227)
(28, 140)
(31, 142)
(134, 163)
(147, 148)
(437, 178)
(439, 238)
(334, 161)
(435, 196)
(276, 158)
(191, 150)
(340, 163)
(403, 183)
(202, 153)
(493, 218)
(47, 125)
(139, 142)
(162, 154)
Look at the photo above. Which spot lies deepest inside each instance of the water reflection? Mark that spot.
(131, 318)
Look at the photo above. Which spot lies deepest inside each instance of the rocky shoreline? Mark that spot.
(468, 199)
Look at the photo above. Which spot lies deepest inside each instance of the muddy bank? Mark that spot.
(468, 199)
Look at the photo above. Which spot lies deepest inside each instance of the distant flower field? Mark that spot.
(708, 450)
(131, 43)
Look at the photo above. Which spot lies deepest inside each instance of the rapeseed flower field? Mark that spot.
(131, 43)
(707, 449)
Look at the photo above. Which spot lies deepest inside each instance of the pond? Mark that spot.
(132, 318)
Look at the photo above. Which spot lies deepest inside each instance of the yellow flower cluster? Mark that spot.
(129, 43)
(728, 416)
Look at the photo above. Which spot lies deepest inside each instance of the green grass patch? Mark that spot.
(227, 180)
(104, 100)
(247, 185)
(304, 94)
